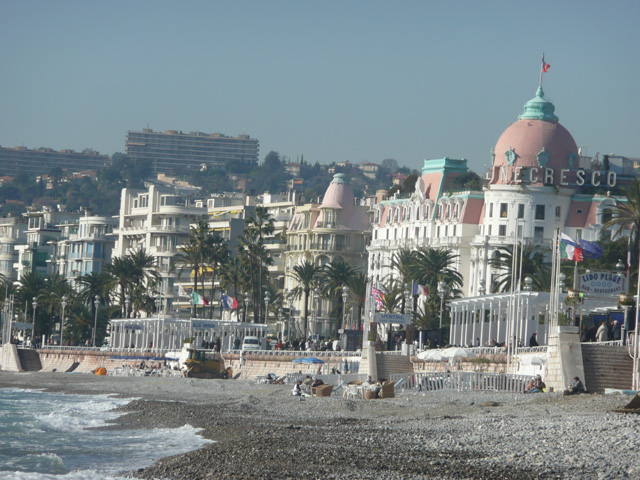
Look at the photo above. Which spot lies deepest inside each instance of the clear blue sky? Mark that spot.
(356, 80)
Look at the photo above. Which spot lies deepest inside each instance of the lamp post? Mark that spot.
(442, 291)
(246, 306)
(620, 273)
(126, 305)
(290, 300)
(528, 284)
(345, 297)
(63, 304)
(281, 320)
(267, 299)
(34, 304)
(316, 302)
(96, 303)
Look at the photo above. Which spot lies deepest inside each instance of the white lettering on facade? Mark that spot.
(548, 175)
(533, 178)
(563, 180)
(517, 174)
(503, 173)
(595, 182)
(611, 179)
(580, 177)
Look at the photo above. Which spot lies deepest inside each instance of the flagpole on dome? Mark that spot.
(543, 69)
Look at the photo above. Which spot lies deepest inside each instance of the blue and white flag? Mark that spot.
(590, 249)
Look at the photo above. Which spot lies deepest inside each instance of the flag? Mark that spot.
(569, 249)
(229, 302)
(378, 297)
(199, 300)
(590, 249)
(182, 292)
(420, 289)
(545, 65)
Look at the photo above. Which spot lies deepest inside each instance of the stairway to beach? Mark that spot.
(388, 364)
(606, 366)
(29, 360)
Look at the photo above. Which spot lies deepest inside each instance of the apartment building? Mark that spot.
(195, 150)
(42, 160)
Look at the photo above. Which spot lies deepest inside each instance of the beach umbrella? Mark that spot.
(457, 352)
(532, 360)
(346, 366)
(430, 355)
(308, 360)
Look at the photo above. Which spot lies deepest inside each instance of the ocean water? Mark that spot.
(49, 436)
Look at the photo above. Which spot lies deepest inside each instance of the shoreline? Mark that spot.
(261, 431)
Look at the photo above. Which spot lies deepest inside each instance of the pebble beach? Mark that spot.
(263, 432)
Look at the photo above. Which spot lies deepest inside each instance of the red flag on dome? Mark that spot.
(545, 65)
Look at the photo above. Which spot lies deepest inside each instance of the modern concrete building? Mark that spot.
(173, 149)
(336, 229)
(158, 221)
(42, 235)
(42, 160)
(11, 234)
(84, 247)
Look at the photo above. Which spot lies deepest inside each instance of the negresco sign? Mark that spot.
(547, 175)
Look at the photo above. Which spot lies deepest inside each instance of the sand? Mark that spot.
(261, 431)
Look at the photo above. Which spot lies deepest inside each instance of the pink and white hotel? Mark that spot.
(535, 186)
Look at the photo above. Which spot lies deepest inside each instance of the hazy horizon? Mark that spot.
(333, 81)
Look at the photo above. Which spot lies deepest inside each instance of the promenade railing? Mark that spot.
(461, 381)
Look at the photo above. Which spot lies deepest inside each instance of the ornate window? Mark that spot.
(543, 158)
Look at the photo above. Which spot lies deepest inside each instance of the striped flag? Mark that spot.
(182, 292)
(199, 299)
(420, 289)
(378, 297)
(569, 249)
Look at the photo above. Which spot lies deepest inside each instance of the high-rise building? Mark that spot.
(43, 160)
(170, 149)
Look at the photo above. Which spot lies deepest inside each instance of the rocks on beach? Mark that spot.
(261, 431)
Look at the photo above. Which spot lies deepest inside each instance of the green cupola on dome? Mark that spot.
(539, 108)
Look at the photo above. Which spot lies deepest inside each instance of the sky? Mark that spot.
(329, 80)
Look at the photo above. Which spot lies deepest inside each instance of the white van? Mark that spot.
(251, 343)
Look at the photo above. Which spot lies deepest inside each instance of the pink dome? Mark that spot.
(535, 141)
(339, 194)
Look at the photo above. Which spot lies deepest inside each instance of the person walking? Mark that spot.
(602, 335)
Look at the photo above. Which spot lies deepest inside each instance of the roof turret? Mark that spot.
(539, 108)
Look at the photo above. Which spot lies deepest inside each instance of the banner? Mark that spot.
(399, 318)
(601, 283)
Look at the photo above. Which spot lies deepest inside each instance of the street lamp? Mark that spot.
(408, 296)
(316, 303)
(267, 298)
(126, 305)
(281, 320)
(442, 291)
(562, 277)
(345, 297)
(34, 304)
(528, 284)
(290, 300)
(96, 303)
(63, 304)
(246, 306)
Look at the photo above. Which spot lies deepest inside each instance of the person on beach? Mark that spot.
(317, 383)
(538, 385)
(575, 387)
(602, 335)
(530, 386)
(297, 391)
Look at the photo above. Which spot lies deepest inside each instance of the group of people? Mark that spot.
(536, 385)
(307, 383)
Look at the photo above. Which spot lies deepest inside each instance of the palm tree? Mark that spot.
(405, 263)
(121, 269)
(334, 276)
(233, 275)
(189, 258)
(533, 265)
(93, 285)
(306, 275)
(216, 253)
(143, 267)
(55, 288)
(626, 216)
(253, 250)
(358, 290)
(434, 265)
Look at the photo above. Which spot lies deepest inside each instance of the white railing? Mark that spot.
(297, 353)
(503, 350)
(462, 381)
